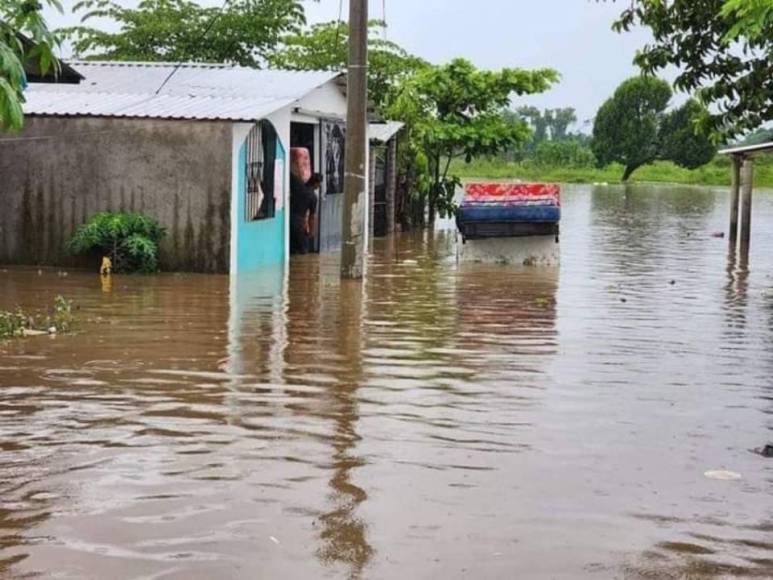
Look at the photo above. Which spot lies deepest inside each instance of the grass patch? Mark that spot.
(715, 173)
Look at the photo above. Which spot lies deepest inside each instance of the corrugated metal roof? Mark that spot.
(744, 149)
(194, 91)
(383, 132)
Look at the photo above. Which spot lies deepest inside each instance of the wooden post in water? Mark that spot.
(747, 183)
(355, 157)
(735, 191)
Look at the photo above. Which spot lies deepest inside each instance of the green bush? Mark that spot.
(567, 153)
(130, 240)
(20, 323)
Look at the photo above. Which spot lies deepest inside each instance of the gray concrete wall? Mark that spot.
(60, 171)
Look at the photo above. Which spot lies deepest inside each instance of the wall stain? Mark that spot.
(207, 237)
(189, 261)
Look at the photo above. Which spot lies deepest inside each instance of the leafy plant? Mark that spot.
(130, 240)
(241, 32)
(626, 126)
(12, 323)
(682, 141)
(722, 50)
(324, 46)
(19, 17)
(457, 111)
(20, 323)
(62, 318)
(633, 128)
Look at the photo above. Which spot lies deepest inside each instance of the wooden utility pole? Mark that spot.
(355, 170)
(747, 183)
(735, 196)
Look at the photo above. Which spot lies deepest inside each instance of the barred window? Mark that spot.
(259, 168)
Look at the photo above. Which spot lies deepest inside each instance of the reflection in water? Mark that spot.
(441, 420)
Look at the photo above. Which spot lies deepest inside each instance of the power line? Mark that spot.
(338, 26)
(384, 18)
(196, 44)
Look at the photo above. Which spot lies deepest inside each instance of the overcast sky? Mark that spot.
(572, 36)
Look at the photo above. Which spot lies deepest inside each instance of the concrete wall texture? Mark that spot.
(60, 171)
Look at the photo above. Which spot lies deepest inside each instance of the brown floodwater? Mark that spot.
(437, 421)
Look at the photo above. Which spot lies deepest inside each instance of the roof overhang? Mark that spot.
(747, 150)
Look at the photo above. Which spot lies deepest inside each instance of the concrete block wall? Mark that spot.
(60, 171)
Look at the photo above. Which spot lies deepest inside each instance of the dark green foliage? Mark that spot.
(564, 153)
(22, 17)
(722, 50)
(325, 46)
(12, 323)
(181, 30)
(130, 240)
(626, 126)
(681, 141)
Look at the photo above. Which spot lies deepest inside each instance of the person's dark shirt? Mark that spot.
(302, 198)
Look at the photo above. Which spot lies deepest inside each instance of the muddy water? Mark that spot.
(441, 421)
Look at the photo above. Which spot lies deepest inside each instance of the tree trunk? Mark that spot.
(629, 169)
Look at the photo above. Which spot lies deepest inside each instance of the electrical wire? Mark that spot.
(384, 18)
(196, 44)
(338, 26)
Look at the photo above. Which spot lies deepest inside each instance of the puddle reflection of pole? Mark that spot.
(343, 534)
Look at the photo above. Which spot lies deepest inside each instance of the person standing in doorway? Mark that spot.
(303, 212)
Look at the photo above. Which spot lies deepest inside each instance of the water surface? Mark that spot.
(439, 421)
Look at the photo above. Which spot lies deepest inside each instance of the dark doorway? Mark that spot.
(380, 191)
(302, 135)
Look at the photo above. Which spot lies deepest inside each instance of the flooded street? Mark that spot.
(439, 421)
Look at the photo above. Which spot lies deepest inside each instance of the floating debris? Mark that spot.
(723, 475)
(766, 451)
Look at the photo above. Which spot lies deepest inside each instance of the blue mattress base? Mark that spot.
(509, 213)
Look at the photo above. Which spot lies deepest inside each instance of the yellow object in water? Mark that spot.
(107, 266)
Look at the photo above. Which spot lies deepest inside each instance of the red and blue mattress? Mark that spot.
(510, 202)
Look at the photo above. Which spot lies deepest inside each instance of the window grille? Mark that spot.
(261, 158)
(255, 163)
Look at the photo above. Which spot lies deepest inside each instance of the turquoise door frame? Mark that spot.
(260, 242)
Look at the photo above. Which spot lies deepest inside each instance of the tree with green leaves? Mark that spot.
(679, 139)
(24, 39)
(241, 32)
(559, 121)
(626, 126)
(537, 120)
(456, 111)
(325, 47)
(723, 50)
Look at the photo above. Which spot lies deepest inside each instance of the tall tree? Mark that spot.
(241, 32)
(17, 18)
(723, 50)
(681, 141)
(626, 126)
(537, 120)
(559, 121)
(325, 47)
(456, 111)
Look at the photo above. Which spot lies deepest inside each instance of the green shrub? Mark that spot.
(130, 240)
(12, 323)
(21, 323)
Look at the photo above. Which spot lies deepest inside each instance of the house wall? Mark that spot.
(60, 171)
